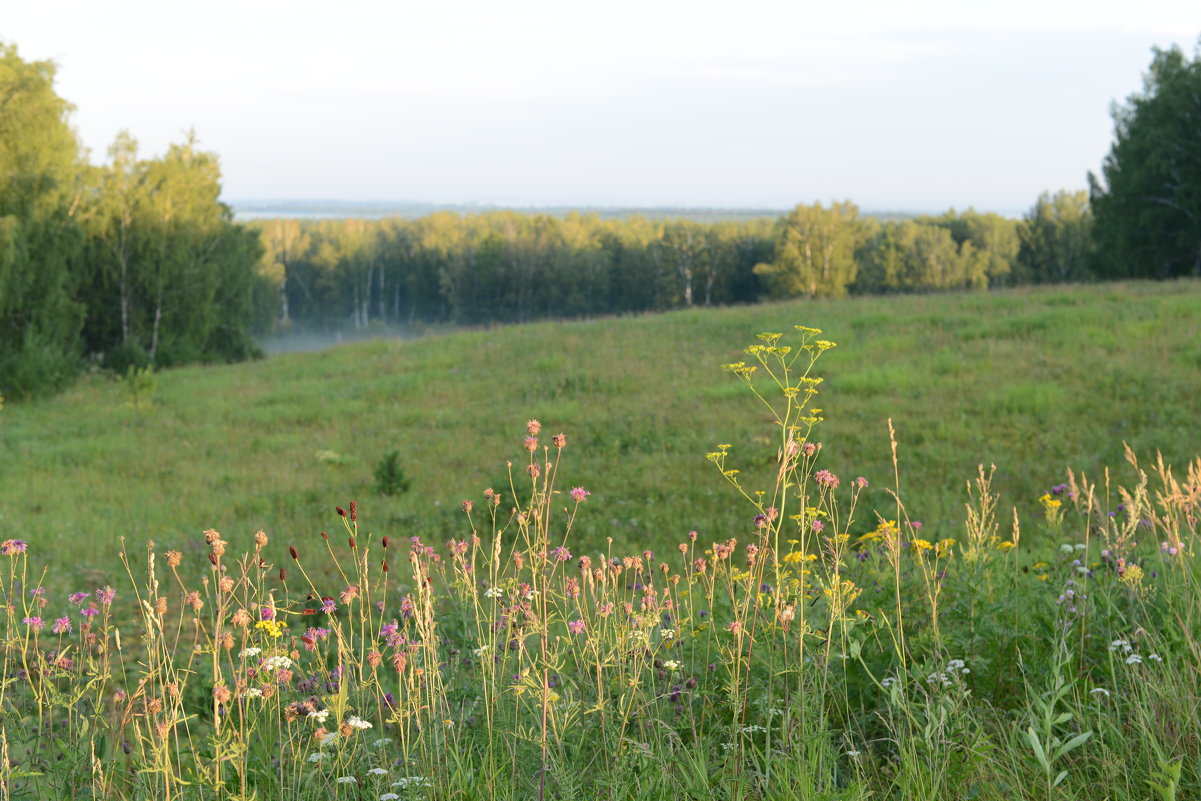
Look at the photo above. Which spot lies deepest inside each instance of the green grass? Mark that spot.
(1032, 380)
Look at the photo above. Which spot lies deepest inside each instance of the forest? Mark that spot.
(137, 261)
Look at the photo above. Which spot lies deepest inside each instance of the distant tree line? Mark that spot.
(138, 262)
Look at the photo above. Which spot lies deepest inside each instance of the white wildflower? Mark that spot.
(1134, 659)
(667, 634)
(356, 722)
(378, 771)
(245, 652)
(888, 681)
(252, 692)
(1066, 548)
(672, 664)
(346, 780)
(852, 754)
(1155, 657)
(389, 797)
(408, 782)
(276, 663)
(493, 592)
(1099, 691)
(381, 742)
(319, 716)
(751, 729)
(1080, 546)
(318, 757)
(1116, 644)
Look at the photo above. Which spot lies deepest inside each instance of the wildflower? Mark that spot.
(826, 479)
(467, 506)
(1155, 658)
(561, 554)
(62, 625)
(411, 781)
(77, 598)
(578, 494)
(672, 665)
(247, 652)
(389, 797)
(319, 756)
(276, 663)
(356, 722)
(920, 546)
(751, 729)
(320, 716)
(888, 681)
(328, 606)
(852, 754)
(346, 780)
(818, 526)
(378, 772)
(35, 623)
(533, 428)
(493, 592)
(575, 626)
(531, 444)
(667, 634)
(252, 692)
(1005, 545)
(381, 742)
(559, 440)
(1134, 659)
(91, 611)
(860, 482)
(1099, 691)
(13, 547)
(1066, 548)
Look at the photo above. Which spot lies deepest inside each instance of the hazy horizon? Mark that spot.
(917, 106)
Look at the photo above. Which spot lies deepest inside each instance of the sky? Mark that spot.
(903, 105)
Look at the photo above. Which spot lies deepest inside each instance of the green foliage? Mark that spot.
(1056, 240)
(815, 252)
(40, 243)
(141, 384)
(390, 478)
(1147, 202)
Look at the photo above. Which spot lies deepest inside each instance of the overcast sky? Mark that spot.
(893, 104)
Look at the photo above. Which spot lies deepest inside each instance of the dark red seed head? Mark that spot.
(385, 542)
(341, 511)
(384, 564)
(354, 511)
(283, 574)
(292, 551)
(324, 536)
(351, 541)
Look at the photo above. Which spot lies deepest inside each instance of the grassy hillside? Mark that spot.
(1032, 380)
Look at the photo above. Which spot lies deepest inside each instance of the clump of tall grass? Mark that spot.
(823, 650)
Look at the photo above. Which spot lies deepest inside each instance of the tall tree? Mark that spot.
(1056, 236)
(41, 241)
(815, 252)
(1147, 202)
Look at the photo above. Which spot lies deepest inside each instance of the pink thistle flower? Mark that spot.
(533, 427)
(267, 613)
(575, 626)
(13, 547)
(818, 526)
(561, 554)
(91, 611)
(328, 606)
(62, 625)
(77, 597)
(578, 494)
(35, 623)
(106, 595)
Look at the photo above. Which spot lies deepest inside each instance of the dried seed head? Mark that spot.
(533, 427)
(174, 558)
(221, 694)
(227, 641)
(160, 606)
(531, 444)
(559, 440)
(211, 536)
(226, 584)
(260, 539)
(467, 506)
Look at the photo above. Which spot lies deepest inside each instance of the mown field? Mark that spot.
(1032, 380)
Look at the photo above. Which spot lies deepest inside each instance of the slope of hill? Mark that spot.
(1033, 380)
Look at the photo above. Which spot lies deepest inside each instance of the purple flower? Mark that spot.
(13, 547)
(77, 597)
(35, 623)
(826, 479)
(267, 613)
(37, 592)
(575, 626)
(561, 554)
(62, 625)
(106, 595)
(91, 611)
(818, 526)
(328, 606)
(578, 494)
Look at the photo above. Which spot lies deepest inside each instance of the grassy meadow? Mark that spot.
(710, 586)
(1032, 380)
